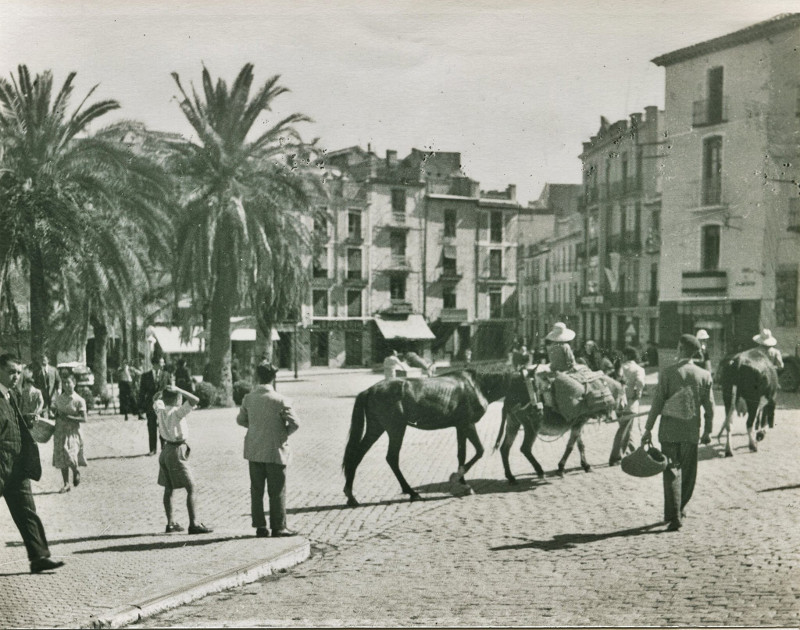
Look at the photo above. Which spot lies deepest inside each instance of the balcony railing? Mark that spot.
(704, 282)
(709, 112)
(453, 315)
(450, 275)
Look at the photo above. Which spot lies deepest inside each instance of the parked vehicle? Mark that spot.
(83, 375)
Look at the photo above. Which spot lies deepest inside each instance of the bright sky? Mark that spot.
(515, 86)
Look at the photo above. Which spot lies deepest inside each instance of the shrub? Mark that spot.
(208, 395)
(240, 388)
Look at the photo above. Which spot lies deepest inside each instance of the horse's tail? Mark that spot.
(357, 422)
(501, 433)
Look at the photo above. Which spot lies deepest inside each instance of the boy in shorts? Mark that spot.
(173, 464)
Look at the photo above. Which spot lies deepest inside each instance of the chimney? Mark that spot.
(651, 111)
(511, 191)
(391, 158)
(636, 119)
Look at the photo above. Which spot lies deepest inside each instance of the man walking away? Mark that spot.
(270, 421)
(48, 381)
(19, 463)
(683, 388)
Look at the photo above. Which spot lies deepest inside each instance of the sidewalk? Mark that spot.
(120, 565)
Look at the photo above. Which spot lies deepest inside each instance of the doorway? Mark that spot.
(353, 347)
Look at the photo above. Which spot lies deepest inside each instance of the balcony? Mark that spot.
(453, 315)
(450, 276)
(397, 263)
(397, 221)
(354, 239)
(354, 279)
(321, 282)
(631, 243)
(709, 112)
(708, 283)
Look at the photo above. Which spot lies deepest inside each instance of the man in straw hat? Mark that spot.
(766, 343)
(705, 359)
(559, 352)
(683, 388)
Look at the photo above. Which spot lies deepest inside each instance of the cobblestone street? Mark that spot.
(567, 551)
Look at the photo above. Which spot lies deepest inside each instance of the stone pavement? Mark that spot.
(567, 539)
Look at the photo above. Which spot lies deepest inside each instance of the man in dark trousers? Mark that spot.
(19, 463)
(47, 380)
(683, 389)
(152, 382)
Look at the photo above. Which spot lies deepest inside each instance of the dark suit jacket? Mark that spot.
(16, 442)
(689, 387)
(48, 383)
(150, 385)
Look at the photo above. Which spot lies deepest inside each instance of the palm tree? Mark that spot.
(56, 180)
(241, 237)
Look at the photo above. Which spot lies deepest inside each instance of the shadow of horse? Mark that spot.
(570, 541)
(482, 486)
(156, 545)
(343, 506)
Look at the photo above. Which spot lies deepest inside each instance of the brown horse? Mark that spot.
(457, 399)
(748, 379)
(538, 419)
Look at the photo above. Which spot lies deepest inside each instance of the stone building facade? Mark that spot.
(731, 203)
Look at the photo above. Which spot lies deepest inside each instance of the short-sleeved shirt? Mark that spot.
(172, 425)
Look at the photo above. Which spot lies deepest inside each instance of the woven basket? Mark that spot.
(42, 430)
(645, 461)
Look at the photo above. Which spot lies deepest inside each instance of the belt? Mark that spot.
(175, 443)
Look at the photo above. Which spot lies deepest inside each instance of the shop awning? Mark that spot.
(243, 334)
(412, 327)
(169, 338)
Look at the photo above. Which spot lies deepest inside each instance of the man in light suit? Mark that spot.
(152, 382)
(270, 421)
(47, 380)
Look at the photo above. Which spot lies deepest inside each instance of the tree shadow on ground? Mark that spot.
(570, 541)
(776, 488)
(161, 545)
(69, 541)
(97, 459)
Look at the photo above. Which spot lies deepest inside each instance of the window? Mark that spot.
(715, 113)
(320, 269)
(639, 165)
(786, 296)
(398, 201)
(353, 264)
(354, 224)
(495, 304)
(397, 287)
(710, 247)
(712, 171)
(653, 301)
(496, 227)
(320, 300)
(496, 263)
(450, 216)
(449, 263)
(624, 172)
(448, 297)
(354, 303)
(794, 214)
(397, 243)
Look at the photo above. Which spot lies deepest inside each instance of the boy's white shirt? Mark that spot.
(172, 424)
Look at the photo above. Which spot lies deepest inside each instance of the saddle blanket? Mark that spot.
(578, 392)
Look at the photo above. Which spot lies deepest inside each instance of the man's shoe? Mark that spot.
(174, 527)
(76, 478)
(45, 564)
(152, 453)
(673, 526)
(283, 533)
(262, 532)
(614, 462)
(199, 528)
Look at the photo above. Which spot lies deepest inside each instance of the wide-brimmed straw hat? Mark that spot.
(702, 335)
(560, 333)
(765, 338)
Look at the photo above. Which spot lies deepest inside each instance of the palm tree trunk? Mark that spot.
(40, 304)
(222, 304)
(100, 367)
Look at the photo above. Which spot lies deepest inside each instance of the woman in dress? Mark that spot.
(68, 441)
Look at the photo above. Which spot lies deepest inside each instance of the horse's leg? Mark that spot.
(374, 431)
(730, 405)
(527, 448)
(512, 428)
(471, 434)
(582, 451)
(754, 420)
(393, 459)
(573, 437)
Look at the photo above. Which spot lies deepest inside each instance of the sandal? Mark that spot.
(174, 527)
(64, 489)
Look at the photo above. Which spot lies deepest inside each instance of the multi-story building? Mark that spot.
(413, 256)
(731, 203)
(621, 208)
(550, 262)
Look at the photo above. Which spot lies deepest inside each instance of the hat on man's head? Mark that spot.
(560, 333)
(266, 371)
(689, 343)
(702, 335)
(765, 338)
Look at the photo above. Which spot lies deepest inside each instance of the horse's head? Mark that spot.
(494, 384)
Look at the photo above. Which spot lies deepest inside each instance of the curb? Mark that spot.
(231, 578)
